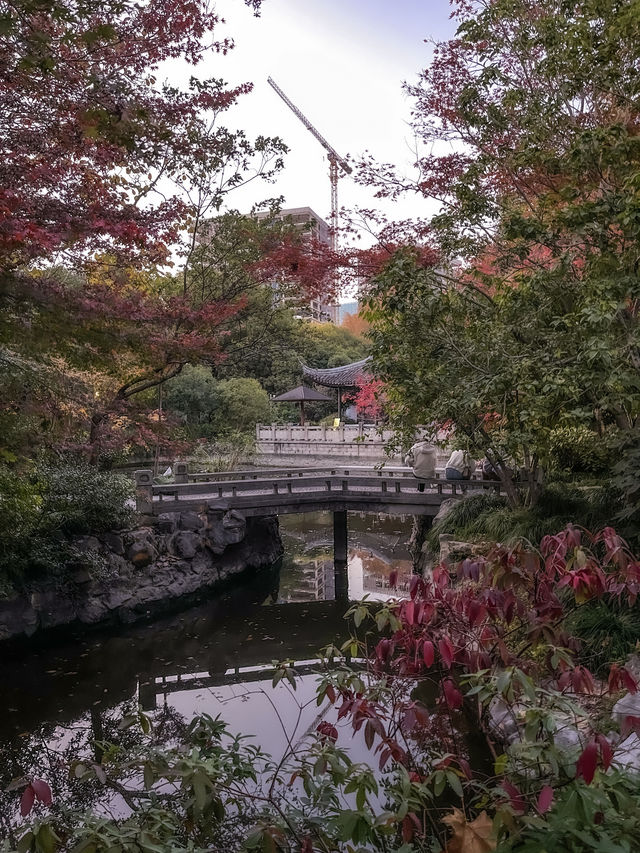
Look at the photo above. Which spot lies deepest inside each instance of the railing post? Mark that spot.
(144, 490)
(181, 472)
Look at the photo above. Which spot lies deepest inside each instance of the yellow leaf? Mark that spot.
(473, 837)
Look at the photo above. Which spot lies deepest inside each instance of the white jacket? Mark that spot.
(459, 460)
(422, 457)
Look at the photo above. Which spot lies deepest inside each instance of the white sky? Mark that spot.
(342, 64)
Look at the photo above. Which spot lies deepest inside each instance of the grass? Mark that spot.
(487, 517)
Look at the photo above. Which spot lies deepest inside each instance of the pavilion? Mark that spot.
(347, 377)
(299, 395)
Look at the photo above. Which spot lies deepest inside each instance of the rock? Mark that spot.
(133, 584)
(92, 611)
(185, 544)
(508, 721)
(87, 543)
(141, 550)
(234, 526)
(81, 576)
(445, 508)
(117, 597)
(191, 521)
(17, 616)
(167, 522)
(627, 754)
(114, 543)
(504, 719)
(628, 706)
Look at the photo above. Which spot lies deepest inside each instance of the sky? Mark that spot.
(342, 64)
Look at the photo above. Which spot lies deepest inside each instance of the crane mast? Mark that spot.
(335, 160)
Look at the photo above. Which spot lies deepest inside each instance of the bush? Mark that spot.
(487, 516)
(77, 500)
(224, 454)
(40, 511)
(243, 404)
(578, 449)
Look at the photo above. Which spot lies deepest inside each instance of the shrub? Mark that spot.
(40, 511)
(79, 499)
(578, 449)
(243, 404)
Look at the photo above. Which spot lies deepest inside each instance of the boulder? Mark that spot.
(17, 616)
(114, 543)
(234, 526)
(141, 548)
(191, 521)
(627, 754)
(167, 522)
(628, 706)
(185, 544)
(87, 543)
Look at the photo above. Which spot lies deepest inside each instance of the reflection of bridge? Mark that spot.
(166, 685)
(295, 490)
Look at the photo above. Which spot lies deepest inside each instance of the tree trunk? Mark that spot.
(97, 421)
(420, 527)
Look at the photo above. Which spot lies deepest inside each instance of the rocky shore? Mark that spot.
(127, 575)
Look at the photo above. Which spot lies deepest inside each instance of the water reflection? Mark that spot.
(216, 657)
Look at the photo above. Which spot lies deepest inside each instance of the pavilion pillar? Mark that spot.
(341, 582)
(340, 536)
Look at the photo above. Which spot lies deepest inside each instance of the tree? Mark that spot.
(92, 140)
(535, 303)
(243, 404)
(106, 171)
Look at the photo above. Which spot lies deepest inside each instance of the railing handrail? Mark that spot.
(292, 473)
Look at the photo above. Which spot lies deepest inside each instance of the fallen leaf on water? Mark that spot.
(469, 837)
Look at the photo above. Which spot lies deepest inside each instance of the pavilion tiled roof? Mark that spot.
(345, 376)
(300, 394)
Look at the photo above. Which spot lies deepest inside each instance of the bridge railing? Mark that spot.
(345, 433)
(296, 473)
(354, 482)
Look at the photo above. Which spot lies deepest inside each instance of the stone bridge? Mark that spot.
(392, 490)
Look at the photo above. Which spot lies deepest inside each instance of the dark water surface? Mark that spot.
(215, 657)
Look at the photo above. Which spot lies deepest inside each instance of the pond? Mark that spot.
(216, 657)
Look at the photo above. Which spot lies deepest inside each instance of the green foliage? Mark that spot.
(626, 477)
(489, 518)
(243, 404)
(538, 328)
(193, 394)
(43, 509)
(78, 499)
(609, 632)
(578, 449)
(598, 818)
(224, 454)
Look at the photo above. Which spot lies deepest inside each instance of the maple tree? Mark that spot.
(109, 175)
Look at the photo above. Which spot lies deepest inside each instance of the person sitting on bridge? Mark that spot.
(422, 457)
(459, 466)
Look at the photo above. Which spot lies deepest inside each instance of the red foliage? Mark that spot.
(88, 131)
(370, 399)
(464, 622)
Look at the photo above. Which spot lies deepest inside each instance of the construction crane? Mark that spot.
(334, 158)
